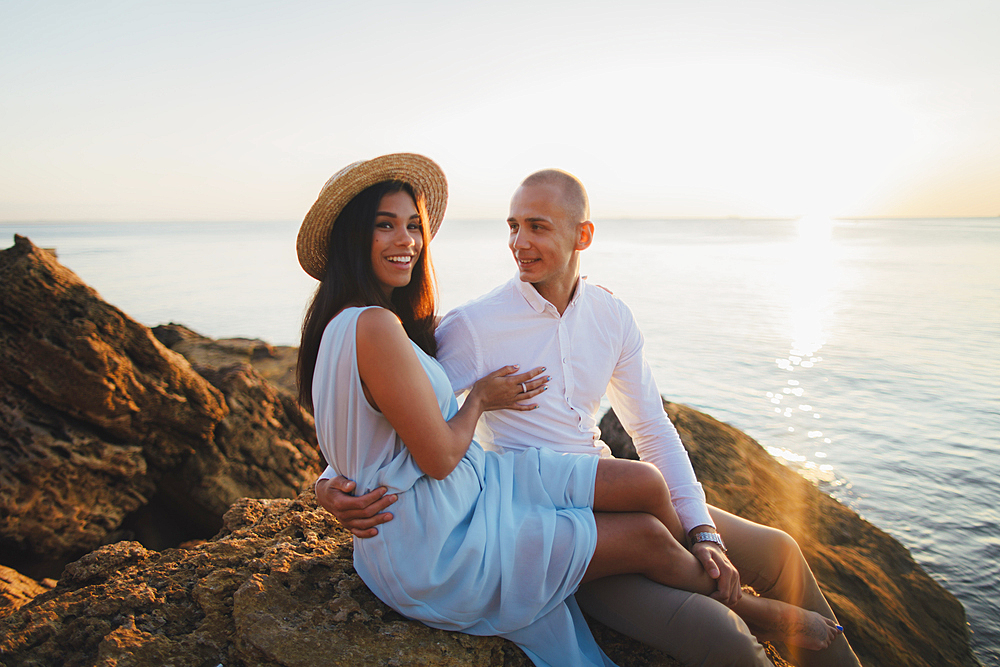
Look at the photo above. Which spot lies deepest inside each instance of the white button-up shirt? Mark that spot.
(594, 347)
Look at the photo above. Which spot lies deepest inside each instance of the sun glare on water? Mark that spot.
(815, 232)
(813, 268)
(814, 281)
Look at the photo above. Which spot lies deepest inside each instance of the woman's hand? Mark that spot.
(503, 389)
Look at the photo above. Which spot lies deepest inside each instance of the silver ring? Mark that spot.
(524, 390)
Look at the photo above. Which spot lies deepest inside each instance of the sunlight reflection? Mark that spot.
(813, 274)
(815, 228)
(812, 268)
(815, 472)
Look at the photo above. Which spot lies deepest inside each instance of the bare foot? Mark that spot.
(799, 627)
(807, 629)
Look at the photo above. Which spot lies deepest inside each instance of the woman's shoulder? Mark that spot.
(366, 320)
(377, 324)
(377, 317)
(365, 316)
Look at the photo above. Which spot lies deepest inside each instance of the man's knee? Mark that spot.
(781, 570)
(784, 545)
(779, 546)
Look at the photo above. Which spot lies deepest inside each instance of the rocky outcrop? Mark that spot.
(892, 611)
(275, 588)
(107, 434)
(274, 363)
(17, 590)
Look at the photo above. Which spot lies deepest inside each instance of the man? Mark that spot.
(589, 343)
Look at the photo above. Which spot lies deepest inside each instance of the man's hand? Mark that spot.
(358, 514)
(718, 566)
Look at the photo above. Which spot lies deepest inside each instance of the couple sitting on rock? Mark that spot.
(514, 537)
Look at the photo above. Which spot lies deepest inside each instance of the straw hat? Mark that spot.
(423, 175)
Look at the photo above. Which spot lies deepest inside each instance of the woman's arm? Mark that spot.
(400, 389)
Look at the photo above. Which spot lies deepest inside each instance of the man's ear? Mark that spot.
(585, 235)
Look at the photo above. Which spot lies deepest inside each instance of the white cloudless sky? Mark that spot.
(224, 110)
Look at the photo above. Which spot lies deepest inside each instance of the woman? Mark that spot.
(490, 544)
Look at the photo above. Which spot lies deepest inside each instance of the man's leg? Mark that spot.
(771, 563)
(693, 628)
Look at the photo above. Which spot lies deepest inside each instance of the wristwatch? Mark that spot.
(708, 537)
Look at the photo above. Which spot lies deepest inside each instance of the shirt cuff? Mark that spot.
(693, 513)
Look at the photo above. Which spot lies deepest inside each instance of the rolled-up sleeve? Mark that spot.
(637, 402)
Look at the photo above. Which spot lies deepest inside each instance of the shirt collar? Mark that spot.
(537, 301)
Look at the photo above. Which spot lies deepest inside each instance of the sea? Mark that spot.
(865, 353)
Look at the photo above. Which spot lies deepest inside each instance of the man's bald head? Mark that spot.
(574, 195)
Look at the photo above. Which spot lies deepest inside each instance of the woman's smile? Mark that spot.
(397, 240)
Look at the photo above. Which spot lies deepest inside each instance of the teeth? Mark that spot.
(405, 259)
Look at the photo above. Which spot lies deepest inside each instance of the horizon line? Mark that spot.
(669, 218)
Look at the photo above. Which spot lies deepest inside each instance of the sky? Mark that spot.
(240, 110)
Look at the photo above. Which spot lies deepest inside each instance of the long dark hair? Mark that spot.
(349, 279)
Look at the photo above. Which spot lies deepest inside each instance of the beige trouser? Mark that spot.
(697, 630)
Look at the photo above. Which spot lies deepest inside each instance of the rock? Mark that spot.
(17, 590)
(892, 611)
(105, 433)
(276, 364)
(275, 587)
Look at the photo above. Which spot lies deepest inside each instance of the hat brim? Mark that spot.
(423, 174)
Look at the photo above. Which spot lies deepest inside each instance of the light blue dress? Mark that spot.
(496, 548)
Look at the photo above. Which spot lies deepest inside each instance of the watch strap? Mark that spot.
(708, 537)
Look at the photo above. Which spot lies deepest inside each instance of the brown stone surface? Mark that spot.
(17, 589)
(275, 588)
(105, 433)
(274, 363)
(892, 611)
